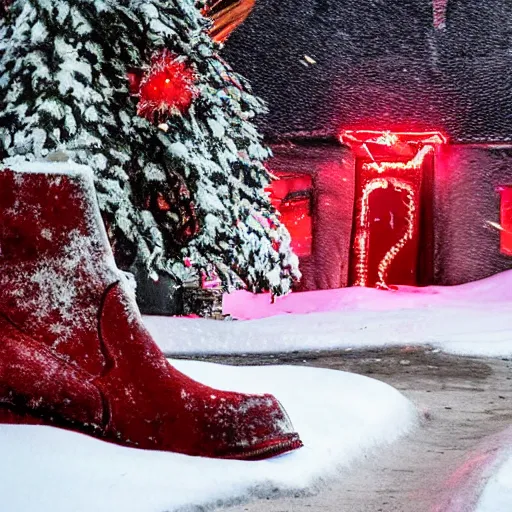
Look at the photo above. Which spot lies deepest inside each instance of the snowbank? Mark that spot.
(472, 319)
(497, 495)
(339, 415)
(464, 488)
(492, 292)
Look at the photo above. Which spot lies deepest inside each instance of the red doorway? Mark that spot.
(392, 230)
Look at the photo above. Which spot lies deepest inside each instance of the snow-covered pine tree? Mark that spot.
(64, 88)
(219, 152)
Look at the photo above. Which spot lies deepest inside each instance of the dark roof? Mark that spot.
(379, 64)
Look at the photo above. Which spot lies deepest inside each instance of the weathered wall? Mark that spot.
(466, 200)
(332, 168)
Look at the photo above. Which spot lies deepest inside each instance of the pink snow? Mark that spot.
(243, 305)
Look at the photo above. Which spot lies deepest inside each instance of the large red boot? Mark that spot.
(73, 349)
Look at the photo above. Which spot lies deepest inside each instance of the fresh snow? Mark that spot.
(476, 484)
(21, 164)
(497, 494)
(472, 319)
(340, 417)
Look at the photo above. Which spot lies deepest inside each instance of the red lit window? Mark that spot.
(506, 220)
(291, 196)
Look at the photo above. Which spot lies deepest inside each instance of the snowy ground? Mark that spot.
(339, 415)
(444, 464)
(497, 495)
(472, 319)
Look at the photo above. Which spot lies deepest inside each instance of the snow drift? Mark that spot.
(340, 416)
(472, 319)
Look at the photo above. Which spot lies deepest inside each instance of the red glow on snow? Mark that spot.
(466, 481)
(166, 88)
(389, 161)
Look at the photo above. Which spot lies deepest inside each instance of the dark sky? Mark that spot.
(380, 64)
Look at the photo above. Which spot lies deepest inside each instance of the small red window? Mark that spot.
(291, 196)
(506, 220)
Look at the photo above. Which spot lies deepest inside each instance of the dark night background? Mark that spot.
(380, 64)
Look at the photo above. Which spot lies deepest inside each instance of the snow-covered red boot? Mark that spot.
(73, 350)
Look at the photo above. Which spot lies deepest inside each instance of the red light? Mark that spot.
(167, 87)
(291, 196)
(350, 136)
(506, 220)
(389, 159)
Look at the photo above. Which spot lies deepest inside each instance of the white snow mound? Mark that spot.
(472, 319)
(497, 493)
(340, 417)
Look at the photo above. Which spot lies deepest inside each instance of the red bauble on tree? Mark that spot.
(167, 88)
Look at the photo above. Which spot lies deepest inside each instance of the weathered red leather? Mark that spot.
(73, 349)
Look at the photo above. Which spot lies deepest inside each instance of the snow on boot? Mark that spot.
(73, 350)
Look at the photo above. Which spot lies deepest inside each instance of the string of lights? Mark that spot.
(362, 238)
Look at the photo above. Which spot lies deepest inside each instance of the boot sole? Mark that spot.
(268, 449)
(265, 450)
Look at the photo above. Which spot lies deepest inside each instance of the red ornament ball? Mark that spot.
(167, 88)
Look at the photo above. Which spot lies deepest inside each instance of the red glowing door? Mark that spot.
(392, 233)
(386, 234)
